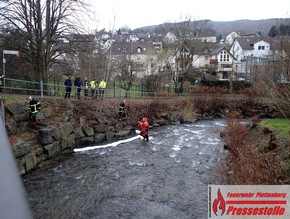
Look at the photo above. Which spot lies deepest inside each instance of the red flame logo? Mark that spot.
(220, 203)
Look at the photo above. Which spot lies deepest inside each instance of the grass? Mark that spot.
(281, 126)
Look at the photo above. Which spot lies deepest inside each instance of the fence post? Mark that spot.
(41, 88)
(114, 89)
(2, 110)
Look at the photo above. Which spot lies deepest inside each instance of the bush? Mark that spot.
(248, 163)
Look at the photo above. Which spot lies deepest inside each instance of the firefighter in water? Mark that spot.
(34, 107)
(144, 126)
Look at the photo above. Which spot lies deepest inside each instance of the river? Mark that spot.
(166, 177)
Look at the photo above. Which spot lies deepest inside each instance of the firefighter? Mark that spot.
(93, 88)
(34, 107)
(122, 113)
(102, 88)
(144, 126)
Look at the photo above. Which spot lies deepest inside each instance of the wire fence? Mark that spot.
(32, 88)
(55, 90)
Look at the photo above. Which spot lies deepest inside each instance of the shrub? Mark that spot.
(247, 163)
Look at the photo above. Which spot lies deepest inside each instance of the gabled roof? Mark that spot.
(208, 48)
(247, 43)
(132, 47)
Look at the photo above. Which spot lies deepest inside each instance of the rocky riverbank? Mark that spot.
(68, 124)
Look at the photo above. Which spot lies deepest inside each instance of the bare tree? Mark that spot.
(273, 75)
(42, 24)
(125, 72)
(188, 37)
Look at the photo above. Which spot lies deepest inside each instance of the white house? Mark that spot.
(244, 49)
(214, 58)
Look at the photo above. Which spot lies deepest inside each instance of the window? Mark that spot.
(261, 47)
(205, 57)
(226, 65)
(224, 56)
(139, 50)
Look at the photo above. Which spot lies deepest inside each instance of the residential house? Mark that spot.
(183, 57)
(214, 59)
(230, 38)
(249, 49)
(223, 62)
(142, 55)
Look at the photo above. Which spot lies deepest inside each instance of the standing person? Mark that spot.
(78, 84)
(102, 88)
(68, 84)
(86, 88)
(93, 88)
(34, 107)
(144, 126)
(122, 112)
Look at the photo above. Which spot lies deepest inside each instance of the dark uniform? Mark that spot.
(122, 112)
(68, 84)
(34, 107)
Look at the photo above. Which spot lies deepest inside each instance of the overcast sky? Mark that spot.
(138, 13)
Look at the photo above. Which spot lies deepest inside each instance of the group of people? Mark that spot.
(92, 89)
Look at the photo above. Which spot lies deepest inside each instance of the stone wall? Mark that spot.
(34, 145)
(57, 135)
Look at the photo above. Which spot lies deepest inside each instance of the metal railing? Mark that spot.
(53, 90)
(24, 87)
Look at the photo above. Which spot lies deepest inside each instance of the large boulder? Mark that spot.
(20, 148)
(101, 128)
(66, 129)
(45, 136)
(30, 161)
(21, 117)
(68, 142)
(15, 108)
(86, 141)
(88, 131)
(52, 149)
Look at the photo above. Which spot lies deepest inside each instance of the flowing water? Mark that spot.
(166, 177)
